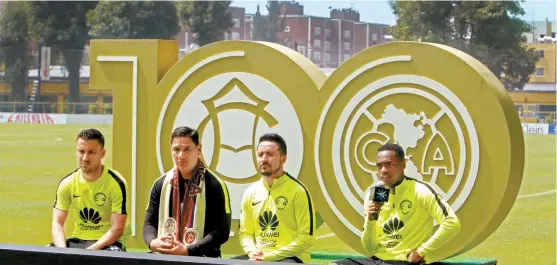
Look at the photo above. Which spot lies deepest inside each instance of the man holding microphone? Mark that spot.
(398, 227)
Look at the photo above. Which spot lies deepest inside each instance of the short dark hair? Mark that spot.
(399, 152)
(91, 134)
(185, 131)
(276, 138)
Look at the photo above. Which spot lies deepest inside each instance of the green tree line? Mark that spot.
(68, 26)
(491, 31)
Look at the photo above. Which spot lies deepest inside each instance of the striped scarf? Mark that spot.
(187, 220)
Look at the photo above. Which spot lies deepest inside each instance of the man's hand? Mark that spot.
(176, 247)
(373, 209)
(160, 243)
(58, 220)
(414, 257)
(116, 230)
(256, 255)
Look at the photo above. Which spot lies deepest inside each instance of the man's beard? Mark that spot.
(270, 172)
(87, 168)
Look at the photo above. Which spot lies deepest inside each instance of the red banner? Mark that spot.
(35, 118)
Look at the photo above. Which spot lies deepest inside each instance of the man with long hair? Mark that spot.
(189, 207)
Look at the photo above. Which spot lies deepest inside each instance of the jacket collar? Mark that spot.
(276, 183)
(400, 185)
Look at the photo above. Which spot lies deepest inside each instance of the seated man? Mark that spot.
(189, 207)
(97, 195)
(278, 219)
(401, 230)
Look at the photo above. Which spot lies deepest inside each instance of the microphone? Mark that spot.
(378, 193)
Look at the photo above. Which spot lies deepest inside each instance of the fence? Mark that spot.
(17, 95)
(538, 116)
(549, 117)
(55, 107)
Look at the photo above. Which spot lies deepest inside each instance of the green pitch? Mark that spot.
(33, 159)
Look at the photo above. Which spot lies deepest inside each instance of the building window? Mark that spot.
(327, 45)
(287, 29)
(235, 36)
(539, 71)
(347, 45)
(346, 57)
(539, 53)
(316, 56)
(327, 57)
(317, 43)
(317, 31)
(236, 23)
(374, 36)
(347, 34)
(327, 33)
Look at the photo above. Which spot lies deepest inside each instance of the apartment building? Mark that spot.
(330, 41)
(543, 78)
(327, 41)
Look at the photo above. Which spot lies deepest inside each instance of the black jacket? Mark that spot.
(217, 221)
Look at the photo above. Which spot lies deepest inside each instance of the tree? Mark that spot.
(267, 28)
(491, 31)
(14, 43)
(423, 21)
(259, 26)
(276, 20)
(208, 20)
(134, 20)
(62, 25)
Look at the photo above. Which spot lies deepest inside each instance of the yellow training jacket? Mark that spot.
(279, 220)
(405, 223)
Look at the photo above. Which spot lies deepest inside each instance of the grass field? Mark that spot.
(33, 158)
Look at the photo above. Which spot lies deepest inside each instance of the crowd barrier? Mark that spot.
(49, 118)
(35, 118)
(538, 128)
